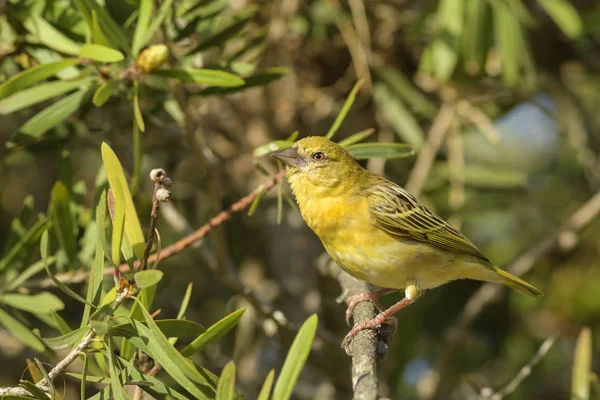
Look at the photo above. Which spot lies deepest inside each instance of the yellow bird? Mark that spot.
(378, 232)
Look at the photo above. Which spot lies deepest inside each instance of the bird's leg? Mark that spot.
(353, 301)
(412, 293)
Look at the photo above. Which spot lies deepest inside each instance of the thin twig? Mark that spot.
(490, 291)
(153, 218)
(427, 154)
(525, 371)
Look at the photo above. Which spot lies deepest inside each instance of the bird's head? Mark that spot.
(318, 161)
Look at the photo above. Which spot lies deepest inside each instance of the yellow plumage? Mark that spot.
(377, 231)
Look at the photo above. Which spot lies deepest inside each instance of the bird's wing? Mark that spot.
(399, 213)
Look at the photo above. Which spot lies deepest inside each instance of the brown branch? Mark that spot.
(490, 291)
(368, 346)
(427, 154)
(153, 218)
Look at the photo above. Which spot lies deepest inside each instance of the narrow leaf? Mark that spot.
(202, 76)
(32, 236)
(363, 151)
(139, 36)
(163, 11)
(43, 302)
(34, 74)
(48, 35)
(294, 362)
(582, 364)
(565, 15)
(137, 112)
(115, 174)
(259, 79)
(101, 53)
(169, 327)
(226, 385)
(265, 391)
(271, 147)
(186, 300)
(345, 108)
(48, 118)
(103, 93)
(357, 137)
(117, 388)
(213, 333)
(66, 340)
(62, 220)
(446, 45)
(20, 331)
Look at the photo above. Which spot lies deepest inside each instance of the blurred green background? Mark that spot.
(520, 156)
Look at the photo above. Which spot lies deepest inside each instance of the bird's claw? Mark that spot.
(353, 301)
(370, 324)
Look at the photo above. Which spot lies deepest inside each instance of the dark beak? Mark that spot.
(290, 157)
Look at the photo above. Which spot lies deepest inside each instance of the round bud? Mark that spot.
(157, 174)
(163, 194)
(166, 181)
(152, 58)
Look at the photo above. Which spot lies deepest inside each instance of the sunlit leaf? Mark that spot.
(103, 93)
(36, 303)
(476, 37)
(186, 301)
(265, 391)
(163, 11)
(66, 340)
(20, 331)
(143, 21)
(226, 386)
(294, 361)
(33, 389)
(446, 45)
(62, 220)
(45, 33)
(48, 118)
(35, 74)
(118, 393)
(345, 108)
(582, 364)
(37, 94)
(101, 53)
(118, 222)
(147, 278)
(113, 33)
(133, 229)
(202, 76)
(259, 79)
(213, 333)
(357, 137)
(507, 35)
(565, 15)
(271, 147)
(363, 151)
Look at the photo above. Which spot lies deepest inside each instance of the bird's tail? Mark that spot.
(517, 283)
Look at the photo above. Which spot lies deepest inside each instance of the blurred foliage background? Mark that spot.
(500, 95)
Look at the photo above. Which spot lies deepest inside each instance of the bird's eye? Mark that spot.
(318, 156)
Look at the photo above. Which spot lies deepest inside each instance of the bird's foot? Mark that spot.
(374, 297)
(370, 324)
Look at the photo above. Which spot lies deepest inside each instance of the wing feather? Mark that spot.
(399, 213)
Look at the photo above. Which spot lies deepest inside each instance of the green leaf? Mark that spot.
(294, 362)
(33, 389)
(363, 151)
(62, 220)
(94, 283)
(345, 108)
(357, 137)
(565, 15)
(259, 79)
(227, 29)
(42, 92)
(402, 87)
(115, 383)
(446, 45)
(144, 279)
(103, 93)
(186, 300)
(48, 118)
(484, 176)
(61, 286)
(256, 201)
(35, 74)
(178, 328)
(265, 391)
(137, 112)
(507, 34)
(99, 319)
(226, 385)
(48, 35)
(271, 147)
(158, 347)
(102, 229)
(143, 21)
(476, 37)
(33, 269)
(35, 303)
(116, 177)
(203, 76)
(111, 32)
(582, 364)
(84, 376)
(20, 331)
(398, 117)
(32, 236)
(66, 340)
(157, 388)
(101, 53)
(163, 11)
(118, 223)
(213, 333)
